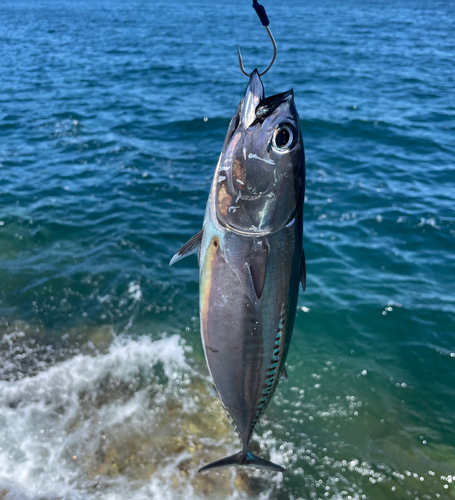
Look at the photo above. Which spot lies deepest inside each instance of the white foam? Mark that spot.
(50, 423)
(133, 423)
(134, 290)
(86, 428)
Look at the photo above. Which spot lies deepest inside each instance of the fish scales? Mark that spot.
(251, 259)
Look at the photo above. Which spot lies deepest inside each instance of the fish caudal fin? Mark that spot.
(242, 458)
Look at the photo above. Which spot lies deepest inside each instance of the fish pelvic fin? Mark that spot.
(284, 374)
(191, 246)
(246, 459)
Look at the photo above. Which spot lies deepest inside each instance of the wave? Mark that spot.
(135, 422)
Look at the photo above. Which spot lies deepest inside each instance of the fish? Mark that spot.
(251, 259)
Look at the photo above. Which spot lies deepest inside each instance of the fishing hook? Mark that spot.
(269, 66)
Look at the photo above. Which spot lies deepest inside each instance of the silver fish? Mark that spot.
(251, 259)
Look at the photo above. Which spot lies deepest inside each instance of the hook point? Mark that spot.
(242, 69)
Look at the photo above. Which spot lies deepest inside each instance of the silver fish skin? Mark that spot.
(251, 259)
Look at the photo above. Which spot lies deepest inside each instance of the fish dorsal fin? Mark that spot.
(303, 271)
(191, 246)
(284, 374)
(257, 260)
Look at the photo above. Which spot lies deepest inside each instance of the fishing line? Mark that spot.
(262, 14)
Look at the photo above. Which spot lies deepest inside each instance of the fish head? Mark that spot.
(261, 176)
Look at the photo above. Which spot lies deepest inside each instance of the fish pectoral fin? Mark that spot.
(258, 266)
(214, 392)
(284, 374)
(243, 458)
(303, 271)
(191, 246)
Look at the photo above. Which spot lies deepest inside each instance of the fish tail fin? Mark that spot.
(243, 458)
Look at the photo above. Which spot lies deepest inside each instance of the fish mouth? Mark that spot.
(256, 107)
(254, 95)
(269, 104)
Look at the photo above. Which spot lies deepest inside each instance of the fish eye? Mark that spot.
(284, 137)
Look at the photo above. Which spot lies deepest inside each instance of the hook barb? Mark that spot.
(242, 69)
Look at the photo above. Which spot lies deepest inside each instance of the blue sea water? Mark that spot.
(112, 117)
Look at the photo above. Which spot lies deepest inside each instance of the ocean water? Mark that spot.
(112, 117)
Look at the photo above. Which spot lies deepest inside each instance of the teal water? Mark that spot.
(112, 117)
